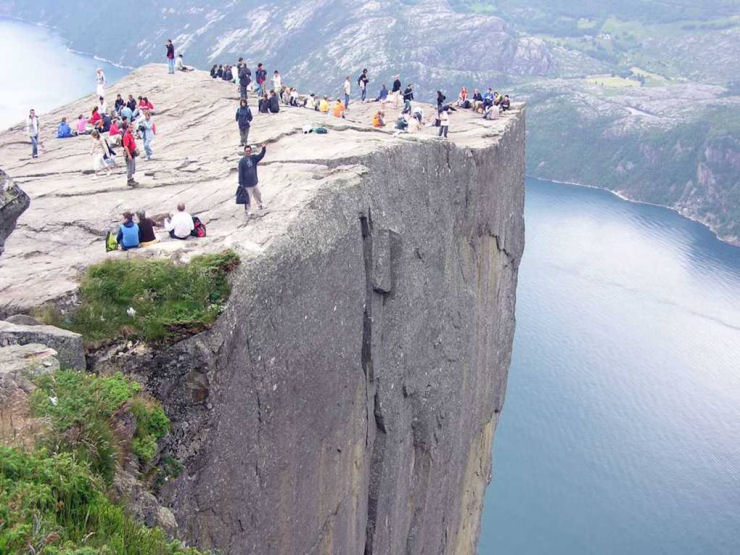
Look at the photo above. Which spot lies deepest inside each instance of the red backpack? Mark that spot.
(199, 228)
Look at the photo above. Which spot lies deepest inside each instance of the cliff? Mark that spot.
(346, 400)
(13, 202)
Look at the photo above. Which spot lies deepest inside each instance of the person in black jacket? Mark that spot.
(248, 177)
(362, 82)
(408, 96)
(274, 104)
(214, 69)
(260, 76)
(170, 56)
(243, 119)
(440, 100)
(220, 72)
(396, 91)
(245, 77)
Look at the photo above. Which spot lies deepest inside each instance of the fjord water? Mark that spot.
(40, 72)
(621, 427)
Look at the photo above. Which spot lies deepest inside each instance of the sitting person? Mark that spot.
(181, 223)
(324, 105)
(490, 112)
(477, 100)
(127, 113)
(505, 103)
(462, 98)
(131, 102)
(418, 115)
(96, 120)
(128, 232)
(102, 105)
(180, 65)
(220, 72)
(107, 122)
(146, 230)
(214, 70)
(63, 130)
(263, 106)
(488, 98)
(145, 104)
(120, 103)
(339, 109)
(383, 94)
(402, 123)
(274, 103)
(294, 97)
(82, 125)
(379, 119)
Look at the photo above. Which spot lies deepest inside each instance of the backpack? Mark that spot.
(320, 130)
(199, 228)
(110, 242)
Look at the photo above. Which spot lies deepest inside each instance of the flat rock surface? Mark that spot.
(196, 152)
(67, 344)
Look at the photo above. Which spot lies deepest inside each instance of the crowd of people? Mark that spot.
(127, 120)
(134, 234)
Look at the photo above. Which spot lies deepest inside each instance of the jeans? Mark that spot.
(34, 145)
(130, 167)
(406, 107)
(364, 94)
(443, 131)
(244, 136)
(259, 90)
(346, 101)
(171, 65)
(243, 91)
(147, 145)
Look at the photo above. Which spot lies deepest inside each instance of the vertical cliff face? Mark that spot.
(349, 395)
(13, 202)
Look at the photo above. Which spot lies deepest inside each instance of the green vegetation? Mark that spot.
(53, 500)
(168, 300)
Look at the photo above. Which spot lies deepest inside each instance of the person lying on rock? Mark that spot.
(248, 176)
(180, 224)
(128, 232)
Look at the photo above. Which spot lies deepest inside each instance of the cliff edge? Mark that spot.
(346, 399)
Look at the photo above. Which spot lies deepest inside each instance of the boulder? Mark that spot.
(67, 344)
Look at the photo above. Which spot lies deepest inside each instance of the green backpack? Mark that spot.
(110, 242)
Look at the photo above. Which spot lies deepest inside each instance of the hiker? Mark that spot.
(339, 109)
(248, 176)
(180, 65)
(402, 123)
(243, 119)
(145, 104)
(488, 98)
(131, 103)
(105, 126)
(170, 56)
(263, 106)
(444, 123)
(129, 149)
(260, 76)
(32, 130)
(120, 103)
(379, 119)
(277, 81)
(128, 232)
(396, 91)
(100, 79)
(477, 100)
(127, 114)
(146, 128)
(180, 224)
(245, 78)
(114, 133)
(440, 100)
(462, 98)
(274, 103)
(383, 94)
(293, 100)
(63, 130)
(82, 125)
(102, 106)
(96, 120)
(214, 69)
(362, 82)
(505, 103)
(324, 105)
(418, 115)
(146, 230)
(408, 96)
(347, 90)
(220, 72)
(98, 152)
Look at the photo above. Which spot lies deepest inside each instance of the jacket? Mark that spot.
(243, 116)
(63, 130)
(146, 231)
(408, 94)
(245, 75)
(261, 76)
(129, 143)
(248, 169)
(396, 85)
(170, 51)
(128, 235)
(274, 104)
(32, 126)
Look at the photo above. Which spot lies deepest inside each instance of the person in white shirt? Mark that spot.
(100, 78)
(102, 106)
(181, 224)
(277, 82)
(444, 123)
(347, 91)
(32, 130)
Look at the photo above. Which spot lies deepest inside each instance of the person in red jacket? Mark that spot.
(129, 150)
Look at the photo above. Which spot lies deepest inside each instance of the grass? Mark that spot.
(53, 500)
(53, 504)
(612, 81)
(169, 300)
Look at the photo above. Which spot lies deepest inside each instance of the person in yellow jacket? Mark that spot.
(324, 106)
(339, 109)
(378, 120)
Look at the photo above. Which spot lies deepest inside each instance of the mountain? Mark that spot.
(638, 97)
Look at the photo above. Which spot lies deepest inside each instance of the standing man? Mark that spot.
(32, 129)
(347, 90)
(248, 176)
(100, 79)
(129, 149)
(396, 91)
(170, 56)
(243, 119)
(146, 127)
(245, 77)
(408, 96)
(362, 81)
(261, 76)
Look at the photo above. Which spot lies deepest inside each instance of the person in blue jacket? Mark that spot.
(243, 119)
(248, 180)
(128, 233)
(64, 131)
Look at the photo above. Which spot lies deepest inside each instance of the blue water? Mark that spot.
(621, 427)
(40, 72)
